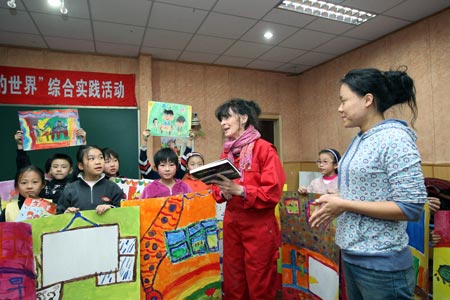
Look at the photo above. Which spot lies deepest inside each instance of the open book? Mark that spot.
(209, 172)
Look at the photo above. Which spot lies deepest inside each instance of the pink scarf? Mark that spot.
(242, 146)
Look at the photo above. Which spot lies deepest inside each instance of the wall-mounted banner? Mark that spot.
(60, 87)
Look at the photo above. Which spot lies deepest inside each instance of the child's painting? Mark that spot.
(87, 256)
(36, 208)
(169, 119)
(441, 256)
(44, 129)
(418, 233)
(178, 144)
(310, 258)
(179, 247)
(17, 277)
(7, 192)
(132, 188)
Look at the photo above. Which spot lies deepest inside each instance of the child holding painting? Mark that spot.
(166, 162)
(29, 182)
(327, 164)
(58, 167)
(193, 161)
(91, 190)
(146, 153)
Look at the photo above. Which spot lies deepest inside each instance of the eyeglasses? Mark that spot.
(323, 162)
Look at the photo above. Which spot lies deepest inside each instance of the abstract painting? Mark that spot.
(441, 256)
(179, 247)
(87, 256)
(44, 129)
(310, 258)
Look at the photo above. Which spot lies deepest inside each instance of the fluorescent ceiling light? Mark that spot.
(328, 10)
(54, 3)
(11, 3)
(268, 35)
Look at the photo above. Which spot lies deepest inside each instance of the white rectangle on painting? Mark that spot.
(305, 177)
(323, 280)
(81, 252)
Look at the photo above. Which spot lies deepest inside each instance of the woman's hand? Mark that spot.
(81, 133)
(102, 208)
(329, 209)
(72, 210)
(228, 187)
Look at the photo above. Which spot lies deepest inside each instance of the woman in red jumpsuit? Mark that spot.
(251, 236)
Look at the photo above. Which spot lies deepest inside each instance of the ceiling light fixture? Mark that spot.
(268, 35)
(54, 3)
(11, 3)
(327, 10)
(63, 9)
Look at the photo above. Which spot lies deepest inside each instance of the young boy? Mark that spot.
(58, 167)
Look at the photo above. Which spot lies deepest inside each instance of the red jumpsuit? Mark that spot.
(251, 236)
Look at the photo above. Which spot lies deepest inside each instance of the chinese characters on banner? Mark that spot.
(56, 87)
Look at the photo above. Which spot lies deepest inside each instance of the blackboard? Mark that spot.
(116, 128)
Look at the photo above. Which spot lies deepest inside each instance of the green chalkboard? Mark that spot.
(105, 127)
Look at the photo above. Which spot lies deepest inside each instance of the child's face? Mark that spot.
(93, 164)
(30, 184)
(194, 162)
(167, 170)
(60, 169)
(111, 166)
(326, 164)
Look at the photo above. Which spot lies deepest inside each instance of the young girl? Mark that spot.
(193, 161)
(327, 164)
(92, 190)
(29, 182)
(166, 162)
(112, 163)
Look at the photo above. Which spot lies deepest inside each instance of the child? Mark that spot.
(166, 162)
(29, 182)
(145, 164)
(112, 163)
(92, 190)
(328, 183)
(58, 167)
(193, 161)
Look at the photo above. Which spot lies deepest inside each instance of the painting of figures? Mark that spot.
(44, 129)
(169, 119)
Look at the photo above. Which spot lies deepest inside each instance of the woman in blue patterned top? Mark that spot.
(381, 187)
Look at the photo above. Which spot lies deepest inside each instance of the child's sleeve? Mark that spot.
(22, 159)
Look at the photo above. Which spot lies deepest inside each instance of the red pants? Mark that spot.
(251, 242)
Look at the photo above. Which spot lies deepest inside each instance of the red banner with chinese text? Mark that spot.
(58, 87)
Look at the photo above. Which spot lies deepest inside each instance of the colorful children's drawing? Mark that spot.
(7, 192)
(441, 256)
(178, 144)
(36, 208)
(87, 256)
(43, 129)
(418, 233)
(310, 258)
(179, 247)
(132, 188)
(17, 277)
(169, 119)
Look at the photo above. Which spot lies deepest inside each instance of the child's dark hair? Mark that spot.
(82, 151)
(181, 119)
(241, 107)
(168, 112)
(108, 153)
(49, 162)
(29, 168)
(164, 155)
(334, 154)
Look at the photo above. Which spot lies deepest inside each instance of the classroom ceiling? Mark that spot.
(219, 32)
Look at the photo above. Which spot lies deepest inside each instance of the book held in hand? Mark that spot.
(209, 172)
